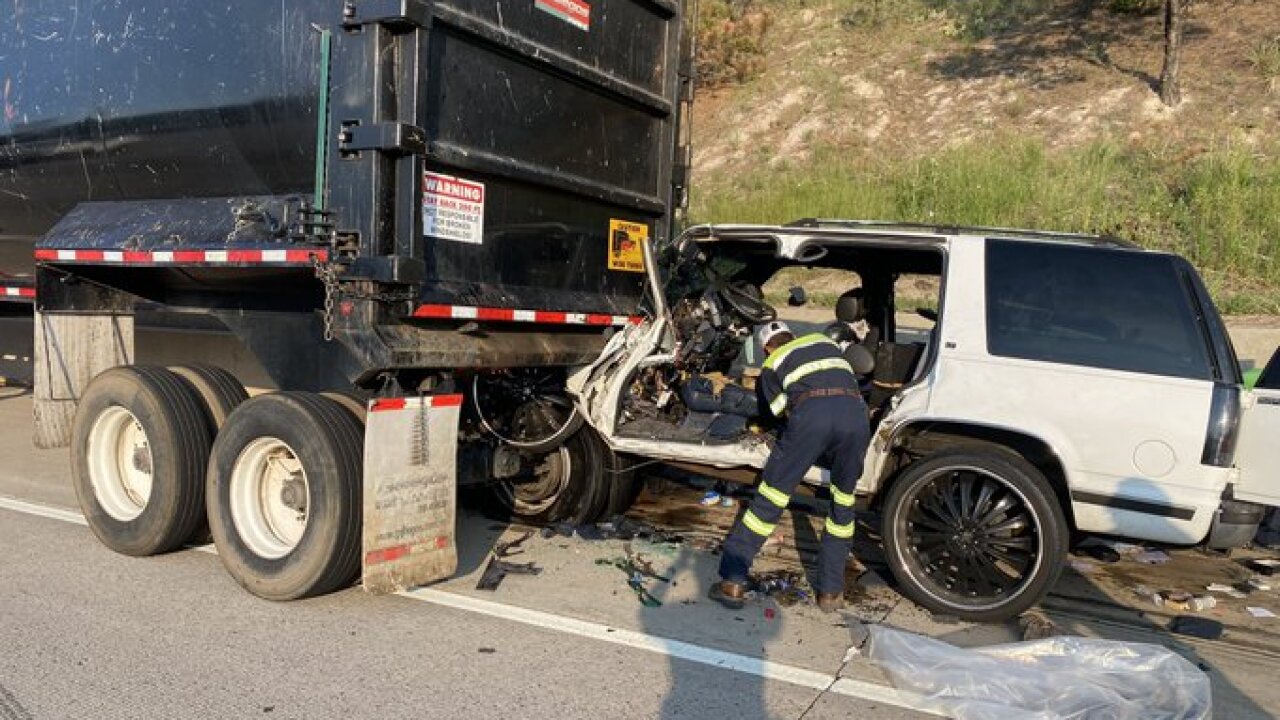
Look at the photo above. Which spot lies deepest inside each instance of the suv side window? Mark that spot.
(1096, 307)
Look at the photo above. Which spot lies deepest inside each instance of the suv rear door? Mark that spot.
(1257, 455)
(1110, 353)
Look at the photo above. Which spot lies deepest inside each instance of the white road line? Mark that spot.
(44, 511)
(702, 655)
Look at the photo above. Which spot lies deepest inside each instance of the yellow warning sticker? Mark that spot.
(626, 245)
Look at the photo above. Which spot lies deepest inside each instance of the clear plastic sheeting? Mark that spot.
(1060, 678)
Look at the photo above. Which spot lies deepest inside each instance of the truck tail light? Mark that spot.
(1224, 426)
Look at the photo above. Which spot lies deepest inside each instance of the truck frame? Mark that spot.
(481, 184)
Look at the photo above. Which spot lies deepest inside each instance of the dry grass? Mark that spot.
(1265, 58)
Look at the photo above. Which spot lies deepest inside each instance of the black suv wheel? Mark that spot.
(976, 534)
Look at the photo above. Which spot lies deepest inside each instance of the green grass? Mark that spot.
(1265, 58)
(1221, 209)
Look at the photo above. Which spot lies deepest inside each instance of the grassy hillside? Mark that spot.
(1034, 113)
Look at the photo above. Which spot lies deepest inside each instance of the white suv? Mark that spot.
(1070, 383)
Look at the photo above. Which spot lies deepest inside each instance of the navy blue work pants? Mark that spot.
(832, 428)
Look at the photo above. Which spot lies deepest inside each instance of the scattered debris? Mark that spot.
(1197, 627)
(715, 498)
(1179, 600)
(619, 528)
(1183, 601)
(1036, 626)
(487, 650)
(665, 549)
(770, 613)
(1227, 590)
(1258, 584)
(636, 583)
(1152, 557)
(787, 587)
(1204, 602)
(497, 570)
(1120, 548)
(513, 547)
(1265, 566)
(1260, 612)
(638, 569)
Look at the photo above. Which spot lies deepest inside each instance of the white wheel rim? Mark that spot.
(269, 498)
(121, 469)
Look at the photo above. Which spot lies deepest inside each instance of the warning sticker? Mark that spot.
(575, 12)
(452, 208)
(626, 249)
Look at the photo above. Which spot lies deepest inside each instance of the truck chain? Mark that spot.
(327, 273)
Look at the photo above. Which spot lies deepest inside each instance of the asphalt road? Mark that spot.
(87, 633)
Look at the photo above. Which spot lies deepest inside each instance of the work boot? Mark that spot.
(730, 594)
(830, 602)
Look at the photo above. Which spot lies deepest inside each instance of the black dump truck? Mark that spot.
(411, 215)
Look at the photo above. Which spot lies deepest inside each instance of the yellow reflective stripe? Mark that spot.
(840, 531)
(814, 367)
(778, 405)
(775, 359)
(774, 495)
(756, 525)
(842, 499)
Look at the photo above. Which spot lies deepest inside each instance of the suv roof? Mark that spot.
(923, 232)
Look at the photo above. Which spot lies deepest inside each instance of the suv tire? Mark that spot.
(572, 486)
(976, 534)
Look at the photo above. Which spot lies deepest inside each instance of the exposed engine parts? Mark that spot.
(707, 388)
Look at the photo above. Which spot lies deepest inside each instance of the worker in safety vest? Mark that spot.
(808, 384)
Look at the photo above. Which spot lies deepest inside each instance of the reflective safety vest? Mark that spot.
(813, 362)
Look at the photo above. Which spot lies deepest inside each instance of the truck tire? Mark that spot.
(139, 448)
(284, 494)
(220, 391)
(976, 534)
(353, 401)
(624, 483)
(220, 394)
(572, 486)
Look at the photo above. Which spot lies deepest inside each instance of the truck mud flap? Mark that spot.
(410, 492)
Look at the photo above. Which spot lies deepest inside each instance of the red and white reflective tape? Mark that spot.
(431, 401)
(380, 557)
(184, 257)
(26, 293)
(545, 317)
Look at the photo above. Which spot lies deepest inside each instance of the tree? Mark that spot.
(1174, 15)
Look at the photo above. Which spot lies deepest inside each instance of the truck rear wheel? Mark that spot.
(284, 493)
(569, 485)
(353, 401)
(139, 448)
(974, 534)
(221, 392)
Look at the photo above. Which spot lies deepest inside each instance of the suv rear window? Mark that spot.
(1095, 307)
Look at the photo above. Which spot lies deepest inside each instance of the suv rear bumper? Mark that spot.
(1235, 524)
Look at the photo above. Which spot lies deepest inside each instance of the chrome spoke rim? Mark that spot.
(971, 536)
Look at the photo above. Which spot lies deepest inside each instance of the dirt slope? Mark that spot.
(906, 82)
